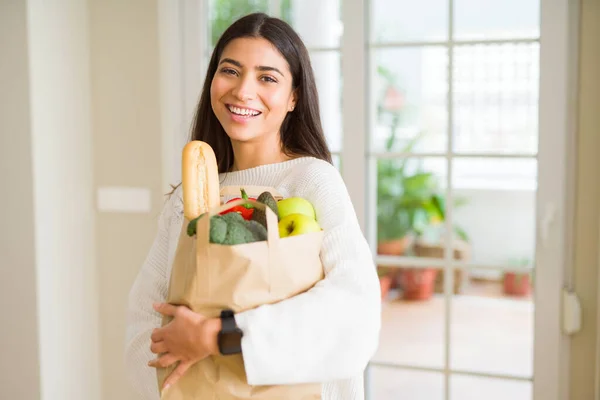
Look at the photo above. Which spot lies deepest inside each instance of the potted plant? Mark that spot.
(409, 202)
(518, 284)
(432, 244)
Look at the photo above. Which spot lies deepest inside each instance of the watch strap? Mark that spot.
(227, 321)
(230, 336)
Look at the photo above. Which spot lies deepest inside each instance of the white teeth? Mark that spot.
(243, 111)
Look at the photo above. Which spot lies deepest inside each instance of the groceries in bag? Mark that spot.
(295, 215)
(207, 276)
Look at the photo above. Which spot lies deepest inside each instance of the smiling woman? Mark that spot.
(260, 64)
(259, 112)
(252, 92)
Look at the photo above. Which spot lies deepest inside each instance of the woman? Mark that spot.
(259, 111)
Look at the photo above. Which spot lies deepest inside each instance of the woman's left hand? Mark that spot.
(188, 338)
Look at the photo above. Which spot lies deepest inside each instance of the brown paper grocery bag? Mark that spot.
(209, 277)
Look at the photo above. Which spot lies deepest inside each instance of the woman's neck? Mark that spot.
(250, 155)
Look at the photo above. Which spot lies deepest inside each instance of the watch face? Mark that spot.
(230, 343)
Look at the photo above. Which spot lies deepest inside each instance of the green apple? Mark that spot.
(295, 205)
(297, 224)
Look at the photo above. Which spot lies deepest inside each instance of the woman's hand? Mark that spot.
(188, 338)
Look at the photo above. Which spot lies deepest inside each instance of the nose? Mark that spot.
(245, 89)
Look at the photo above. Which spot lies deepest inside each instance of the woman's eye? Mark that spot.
(228, 71)
(269, 79)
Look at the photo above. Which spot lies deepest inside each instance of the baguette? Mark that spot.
(200, 179)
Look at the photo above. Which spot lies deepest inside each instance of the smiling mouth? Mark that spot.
(243, 112)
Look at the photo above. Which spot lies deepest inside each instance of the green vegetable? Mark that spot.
(231, 229)
(218, 229)
(238, 233)
(191, 228)
(232, 217)
(259, 232)
(259, 215)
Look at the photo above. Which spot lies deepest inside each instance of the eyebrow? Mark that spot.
(260, 67)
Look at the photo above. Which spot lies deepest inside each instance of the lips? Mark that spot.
(242, 111)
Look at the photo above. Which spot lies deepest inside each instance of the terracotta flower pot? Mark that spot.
(386, 284)
(417, 283)
(394, 247)
(517, 284)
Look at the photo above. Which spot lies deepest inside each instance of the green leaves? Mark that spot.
(225, 12)
(410, 199)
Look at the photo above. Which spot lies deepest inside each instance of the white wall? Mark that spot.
(49, 337)
(79, 109)
(585, 345)
(127, 153)
(63, 199)
(19, 372)
(500, 224)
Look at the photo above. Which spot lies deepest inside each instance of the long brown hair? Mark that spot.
(301, 131)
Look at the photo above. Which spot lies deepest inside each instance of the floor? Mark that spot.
(489, 334)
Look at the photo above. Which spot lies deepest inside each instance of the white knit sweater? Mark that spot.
(327, 334)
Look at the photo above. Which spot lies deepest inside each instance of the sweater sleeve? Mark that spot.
(149, 286)
(331, 331)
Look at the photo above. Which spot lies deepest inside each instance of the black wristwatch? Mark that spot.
(230, 336)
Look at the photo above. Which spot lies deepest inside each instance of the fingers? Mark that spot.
(178, 373)
(158, 335)
(165, 308)
(163, 361)
(158, 347)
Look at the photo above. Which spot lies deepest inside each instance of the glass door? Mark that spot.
(455, 161)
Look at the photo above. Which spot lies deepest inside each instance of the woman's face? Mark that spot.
(251, 91)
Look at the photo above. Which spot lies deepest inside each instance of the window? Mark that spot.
(453, 152)
(494, 60)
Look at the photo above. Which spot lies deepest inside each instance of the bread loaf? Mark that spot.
(199, 179)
